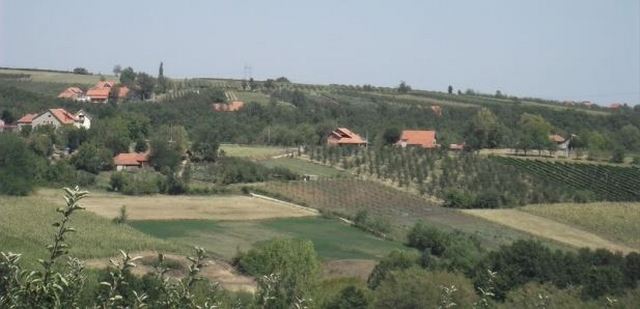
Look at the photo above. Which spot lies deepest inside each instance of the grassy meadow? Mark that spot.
(618, 222)
(305, 167)
(253, 152)
(332, 239)
(59, 77)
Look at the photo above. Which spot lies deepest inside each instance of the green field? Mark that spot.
(253, 152)
(332, 239)
(305, 167)
(25, 227)
(59, 77)
(615, 221)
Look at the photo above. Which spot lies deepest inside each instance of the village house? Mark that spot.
(456, 147)
(561, 143)
(56, 117)
(100, 93)
(344, 137)
(418, 138)
(228, 107)
(131, 161)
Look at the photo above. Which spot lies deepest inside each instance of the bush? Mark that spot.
(418, 288)
(458, 199)
(17, 162)
(144, 182)
(396, 260)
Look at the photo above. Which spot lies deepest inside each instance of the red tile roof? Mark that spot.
(63, 116)
(344, 136)
(105, 84)
(27, 119)
(99, 93)
(556, 138)
(123, 91)
(230, 107)
(70, 93)
(131, 158)
(425, 139)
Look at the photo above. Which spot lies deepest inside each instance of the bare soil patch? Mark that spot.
(215, 270)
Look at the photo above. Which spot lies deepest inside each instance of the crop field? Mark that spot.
(619, 222)
(304, 167)
(253, 152)
(548, 228)
(162, 207)
(332, 239)
(58, 77)
(25, 227)
(402, 210)
(607, 182)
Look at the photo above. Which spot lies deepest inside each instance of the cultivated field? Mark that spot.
(332, 239)
(25, 227)
(548, 228)
(163, 207)
(400, 209)
(59, 77)
(253, 152)
(305, 167)
(619, 222)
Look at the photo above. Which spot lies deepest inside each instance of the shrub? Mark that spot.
(396, 260)
(17, 173)
(458, 199)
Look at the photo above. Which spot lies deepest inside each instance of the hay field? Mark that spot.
(547, 228)
(164, 207)
(58, 77)
(253, 152)
(616, 221)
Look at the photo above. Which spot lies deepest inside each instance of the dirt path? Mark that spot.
(547, 228)
(214, 270)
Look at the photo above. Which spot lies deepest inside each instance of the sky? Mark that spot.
(554, 49)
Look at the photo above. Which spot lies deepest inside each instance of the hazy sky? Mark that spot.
(554, 49)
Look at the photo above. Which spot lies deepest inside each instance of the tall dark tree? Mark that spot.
(117, 69)
(7, 116)
(17, 176)
(450, 89)
(145, 84)
(404, 87)
(161, 85)
(128, 76)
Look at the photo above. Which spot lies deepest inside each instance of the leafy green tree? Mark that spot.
(350, 297)
(164, 155)
(534, 133)
(629, 137)
(41, 144)
(292, 265)
(417, 288)
(79, 70)
(396, 260)
(17, 173)
(205, 144)
(144, 84)
(92, 158)
(117, 69)
(450, 89)
(403, 87)
(141, 145)
(483, 131)
(128, 77)
(391, 135)
(7, 116)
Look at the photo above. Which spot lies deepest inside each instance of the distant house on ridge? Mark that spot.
(345, 137)
(228, 107)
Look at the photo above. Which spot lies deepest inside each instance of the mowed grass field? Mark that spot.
(26, 227)
(618, 222)
(332, 239)
(164, 207)
(253, 152)
(305, 167)
(549, 229)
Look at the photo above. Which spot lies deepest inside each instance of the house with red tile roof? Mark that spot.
(101, 92)
(72, 93)
(25, 120)
(418, 138)
(131, 161)
(234, 106)
(56, 117)
(345, 137)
